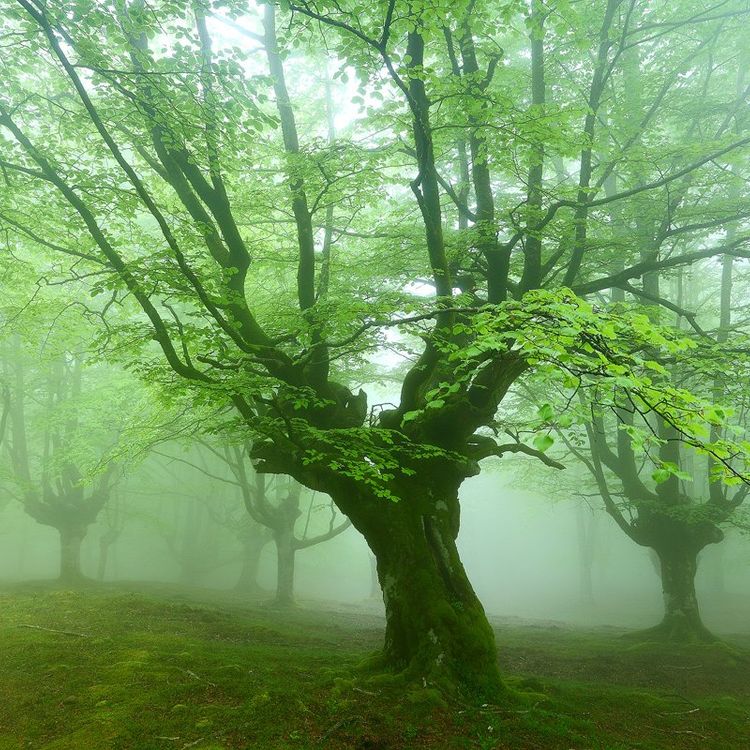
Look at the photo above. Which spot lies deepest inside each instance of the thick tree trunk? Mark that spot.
(285, 556)
(682, 620)
(437, 632)
(70, 555)
(247, 583)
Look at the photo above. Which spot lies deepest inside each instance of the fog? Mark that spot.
(374, 375)
(522, 551)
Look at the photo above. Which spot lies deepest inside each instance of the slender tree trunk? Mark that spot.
(285, 557)
(247, 583)
(586, 525)
(106, 544)
(70, 554)
(103, 557)
(682, 620)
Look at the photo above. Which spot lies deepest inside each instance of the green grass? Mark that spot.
(169, 669)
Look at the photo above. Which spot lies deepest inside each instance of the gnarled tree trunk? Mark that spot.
(437, 632)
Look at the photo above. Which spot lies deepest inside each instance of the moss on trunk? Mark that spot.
(437, 633)
(682, 620)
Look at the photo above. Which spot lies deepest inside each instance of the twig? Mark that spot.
(676, 731)
(679, 713)
(52, 630)
(338, 726)
(194, 676)
(197, 742)
(683, 698)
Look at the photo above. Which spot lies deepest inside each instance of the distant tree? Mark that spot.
(587, 527)
(253, 537)
(113, 520)
(52, 485)
(657, 488)
(73, 427)
(275, 504)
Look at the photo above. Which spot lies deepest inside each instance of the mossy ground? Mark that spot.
(162, 669)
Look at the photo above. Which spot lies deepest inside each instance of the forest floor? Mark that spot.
(116, 668)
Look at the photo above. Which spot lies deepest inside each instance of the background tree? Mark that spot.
(53, 484)
(275, 505)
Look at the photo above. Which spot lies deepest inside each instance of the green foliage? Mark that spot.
(451, 200)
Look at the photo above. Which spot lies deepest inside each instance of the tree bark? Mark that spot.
(437, 632)
(285, 558)
(70, 554)
(375, 591)
(247, 583)
(682, 621)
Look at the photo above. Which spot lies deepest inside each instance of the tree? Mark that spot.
(114, 524)
(73, 425)
(53, 488)
(186, 204)
(253, 538)
(670, 503)
(280, 515)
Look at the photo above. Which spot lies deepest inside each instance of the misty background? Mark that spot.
(529, 554)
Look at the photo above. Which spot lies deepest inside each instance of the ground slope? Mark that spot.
(117, 668)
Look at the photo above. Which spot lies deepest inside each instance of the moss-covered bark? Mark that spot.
(437, 633)
(436, 628)
(682, 620)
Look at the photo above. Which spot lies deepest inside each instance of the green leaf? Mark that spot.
(543, 441)
(546, 412)
(661, 475)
